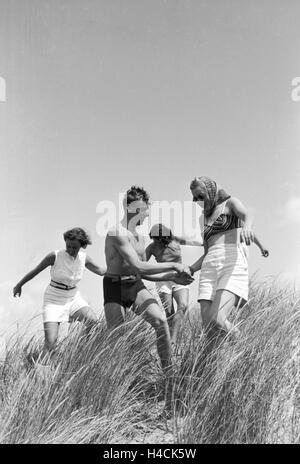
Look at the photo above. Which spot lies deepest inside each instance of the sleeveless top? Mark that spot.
(222, 223)
(169, 253)
(66, 269)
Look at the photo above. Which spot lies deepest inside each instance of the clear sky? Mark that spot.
(103, 94)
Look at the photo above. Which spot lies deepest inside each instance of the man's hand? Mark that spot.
(183, 279)
(182, 269)
(17, 290)
(265, 253)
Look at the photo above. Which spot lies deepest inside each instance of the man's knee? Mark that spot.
(159, 324)
(145, 306)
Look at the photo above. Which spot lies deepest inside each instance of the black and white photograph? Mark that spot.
(150, 233)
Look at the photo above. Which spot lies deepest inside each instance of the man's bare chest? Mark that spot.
(137, 242)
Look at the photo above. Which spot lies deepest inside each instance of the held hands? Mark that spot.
(182, 279)
(182, 268)
(17, 290)
(184, 275)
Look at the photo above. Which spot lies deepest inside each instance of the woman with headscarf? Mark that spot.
(165, 247)
(227, 232)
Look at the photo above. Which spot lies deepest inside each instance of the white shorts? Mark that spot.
(169, 287)
(225, 267)
(59, 305)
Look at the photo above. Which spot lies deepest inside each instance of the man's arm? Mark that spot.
(47, 261)
(129, 254)
(183, 279)
(148, 252)
(93, 267)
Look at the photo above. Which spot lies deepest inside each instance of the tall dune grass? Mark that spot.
(101, 388)
(246, 391)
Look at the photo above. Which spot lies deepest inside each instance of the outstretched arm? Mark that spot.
(264, 251)
(172, 275)
(47, 261)
(127, 251)
(93, 267)
(169, 275)
(196, 266)
(183, 241)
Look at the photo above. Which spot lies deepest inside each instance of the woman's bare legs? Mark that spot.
(51, 330)
(215, 316)
(216, 312)
(221, 308)
(51, 334)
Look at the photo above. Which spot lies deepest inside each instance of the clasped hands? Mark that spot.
(184, 275)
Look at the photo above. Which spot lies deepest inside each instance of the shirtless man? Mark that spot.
(126, 266)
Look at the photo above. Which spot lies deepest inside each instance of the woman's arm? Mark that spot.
(47, 261)
(237, 207)
(93, 267)
(183, 241)
(263, 250)
(196, 266)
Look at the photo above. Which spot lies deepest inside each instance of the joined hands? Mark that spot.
(184, 275)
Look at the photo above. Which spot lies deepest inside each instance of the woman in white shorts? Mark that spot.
(165, 247)
(62, 299)
(227, 233)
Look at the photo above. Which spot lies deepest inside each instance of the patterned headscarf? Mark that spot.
(215, 194)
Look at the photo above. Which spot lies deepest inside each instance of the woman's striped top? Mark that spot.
(223, 223)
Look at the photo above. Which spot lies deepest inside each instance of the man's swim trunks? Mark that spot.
(122, 290)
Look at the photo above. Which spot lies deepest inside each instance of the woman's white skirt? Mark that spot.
(60, 305)
(225, 267)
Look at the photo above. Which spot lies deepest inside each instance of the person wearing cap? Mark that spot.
(166, 247)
